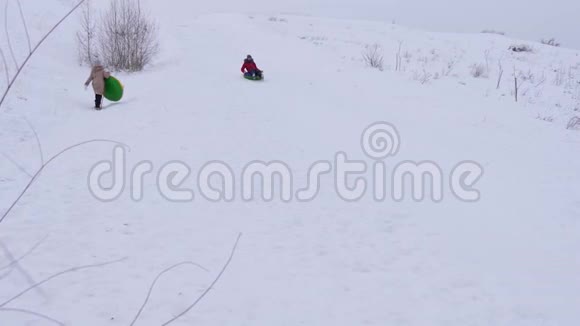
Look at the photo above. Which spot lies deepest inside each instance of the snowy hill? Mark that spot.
(509, 258)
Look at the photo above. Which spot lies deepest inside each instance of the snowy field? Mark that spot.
(510, 258)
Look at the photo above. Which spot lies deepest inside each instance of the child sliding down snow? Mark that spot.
(97, 77)
(249, 69)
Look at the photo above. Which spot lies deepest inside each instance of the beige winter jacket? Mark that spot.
(98, 75)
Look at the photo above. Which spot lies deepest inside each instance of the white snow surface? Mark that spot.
(512, 258)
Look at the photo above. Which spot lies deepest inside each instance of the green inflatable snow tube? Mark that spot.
(113, 89)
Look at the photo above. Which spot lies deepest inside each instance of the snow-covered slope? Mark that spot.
(509, 259)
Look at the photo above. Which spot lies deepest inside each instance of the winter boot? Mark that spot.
(98, 101)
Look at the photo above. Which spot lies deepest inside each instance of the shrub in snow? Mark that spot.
(128, 37)
(521, 48)
(528, 76)
(276, 19)
(551, 42)
(491, 31)
(545, 118)
(423, 76)
(478, 71)
(373, 57)
(574, 123)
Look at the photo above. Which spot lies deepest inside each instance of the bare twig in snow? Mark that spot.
(499, 78)
(516, 87)
(5, 274)
(518, 84)
(5, 65)
(25, 26)
(211, 285)
(423, 77)
(542, 81)
(487, 54)
(398, 58)
(38, 143)
(40, 151)
(33, 313)
(17, 165)
(30, 251)
(50, 278)
(155, 282)
(23, 271)
(8, 41)
(37, 174)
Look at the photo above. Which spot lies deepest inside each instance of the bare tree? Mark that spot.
(87, 36)
(373, 57)
(128, 38)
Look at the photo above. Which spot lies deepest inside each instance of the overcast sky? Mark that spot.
(529, 19)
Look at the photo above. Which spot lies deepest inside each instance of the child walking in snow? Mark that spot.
(97, 77)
